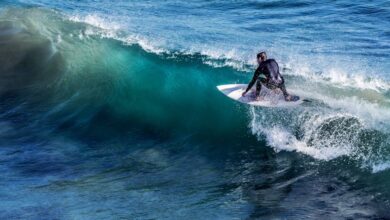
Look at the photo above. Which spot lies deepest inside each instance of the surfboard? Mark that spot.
(269, 98)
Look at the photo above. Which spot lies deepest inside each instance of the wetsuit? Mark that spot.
(273, 79)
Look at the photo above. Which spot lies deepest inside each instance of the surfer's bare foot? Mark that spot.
(288, 98)
(259, 98)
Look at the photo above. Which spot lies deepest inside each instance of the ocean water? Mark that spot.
(109, 110)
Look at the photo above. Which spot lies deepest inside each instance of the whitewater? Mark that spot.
(112, 110)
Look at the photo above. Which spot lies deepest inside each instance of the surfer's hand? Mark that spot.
(244, 93)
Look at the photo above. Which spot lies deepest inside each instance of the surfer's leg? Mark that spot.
(287, 96)
(258, 88)
(283, 88)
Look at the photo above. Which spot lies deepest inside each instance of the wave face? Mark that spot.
(113, 109)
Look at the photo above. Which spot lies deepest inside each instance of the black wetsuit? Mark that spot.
(273, 79)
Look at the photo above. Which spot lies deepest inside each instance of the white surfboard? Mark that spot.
(269, 98)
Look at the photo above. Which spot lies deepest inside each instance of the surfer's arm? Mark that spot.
(252, 82)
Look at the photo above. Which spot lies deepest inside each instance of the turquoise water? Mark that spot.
(111, 110)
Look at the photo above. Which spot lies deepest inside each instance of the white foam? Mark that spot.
(97, 21)
(110, 29)
(144, 43)
(326, 134)
(379, 167)
(373, 114)
(339, 77)
(281, 138)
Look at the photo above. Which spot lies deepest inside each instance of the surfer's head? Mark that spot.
(262, 56)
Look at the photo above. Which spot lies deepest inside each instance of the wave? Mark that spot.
(99, 79)
(86, 75)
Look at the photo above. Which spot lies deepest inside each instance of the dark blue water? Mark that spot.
(110, 110)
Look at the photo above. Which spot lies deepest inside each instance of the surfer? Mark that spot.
(273, 80)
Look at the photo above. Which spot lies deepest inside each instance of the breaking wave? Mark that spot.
(86, 73)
